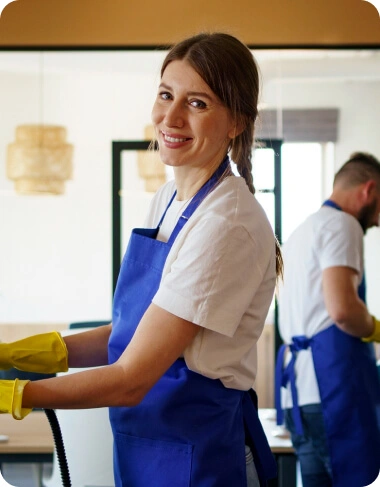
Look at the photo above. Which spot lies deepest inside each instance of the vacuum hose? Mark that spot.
(59, 446)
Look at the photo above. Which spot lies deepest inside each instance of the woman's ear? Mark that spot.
(237, 129)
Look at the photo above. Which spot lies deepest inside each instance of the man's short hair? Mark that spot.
(360, 168)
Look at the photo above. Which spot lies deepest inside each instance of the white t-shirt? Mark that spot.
(328, 238)
(219, 274)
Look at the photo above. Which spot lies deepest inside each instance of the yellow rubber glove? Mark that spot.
(375, 336)
(45, 353)
(11, 398)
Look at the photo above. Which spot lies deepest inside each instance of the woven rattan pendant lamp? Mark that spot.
(40, 159)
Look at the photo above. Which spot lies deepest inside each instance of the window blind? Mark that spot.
(298, 125)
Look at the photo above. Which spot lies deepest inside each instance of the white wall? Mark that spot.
(55, 252)
(359, 128)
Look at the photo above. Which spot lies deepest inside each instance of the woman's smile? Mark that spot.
(174, 138)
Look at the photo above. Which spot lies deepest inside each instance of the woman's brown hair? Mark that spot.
(230, 70)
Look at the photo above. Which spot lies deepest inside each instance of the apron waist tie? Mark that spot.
(284, 375)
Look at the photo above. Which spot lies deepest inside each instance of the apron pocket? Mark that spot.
(143, 462)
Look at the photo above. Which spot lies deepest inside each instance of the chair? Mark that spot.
(88, 324)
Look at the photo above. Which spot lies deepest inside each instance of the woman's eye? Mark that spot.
(164, 95)
(198, 104)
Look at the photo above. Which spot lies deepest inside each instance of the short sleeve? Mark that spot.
(213, 276)
(342, 243)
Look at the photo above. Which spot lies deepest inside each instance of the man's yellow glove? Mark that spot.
(45, 353)
(11, 398)
(375, 336)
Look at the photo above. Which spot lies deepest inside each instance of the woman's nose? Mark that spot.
(174, 116)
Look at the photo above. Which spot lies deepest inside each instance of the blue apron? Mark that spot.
(349, 387)
(188, 430)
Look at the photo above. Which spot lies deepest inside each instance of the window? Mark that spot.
(306, 181)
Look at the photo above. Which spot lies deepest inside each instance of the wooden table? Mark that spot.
(281, 446)
(30, 440)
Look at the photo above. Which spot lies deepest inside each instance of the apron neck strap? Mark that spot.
(209, 186)
(332, 204)
(163, 216)
(362, 286)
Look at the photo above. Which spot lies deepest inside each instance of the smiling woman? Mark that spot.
(208, 220)
(192, 296)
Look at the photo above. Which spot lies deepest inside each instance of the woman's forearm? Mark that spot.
(99, 387)
(89, 348)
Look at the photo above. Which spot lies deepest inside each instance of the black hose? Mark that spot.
(59, 446)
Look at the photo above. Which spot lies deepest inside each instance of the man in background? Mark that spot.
(327, 367)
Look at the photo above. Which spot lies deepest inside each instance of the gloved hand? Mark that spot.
(11, 398)
(45, 353)
(375, 336)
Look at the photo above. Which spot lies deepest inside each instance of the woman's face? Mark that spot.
(192, 126)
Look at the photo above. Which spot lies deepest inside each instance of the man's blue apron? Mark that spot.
(189, 430)
(349, 387)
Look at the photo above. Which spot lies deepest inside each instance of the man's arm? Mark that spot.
(347, 310)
